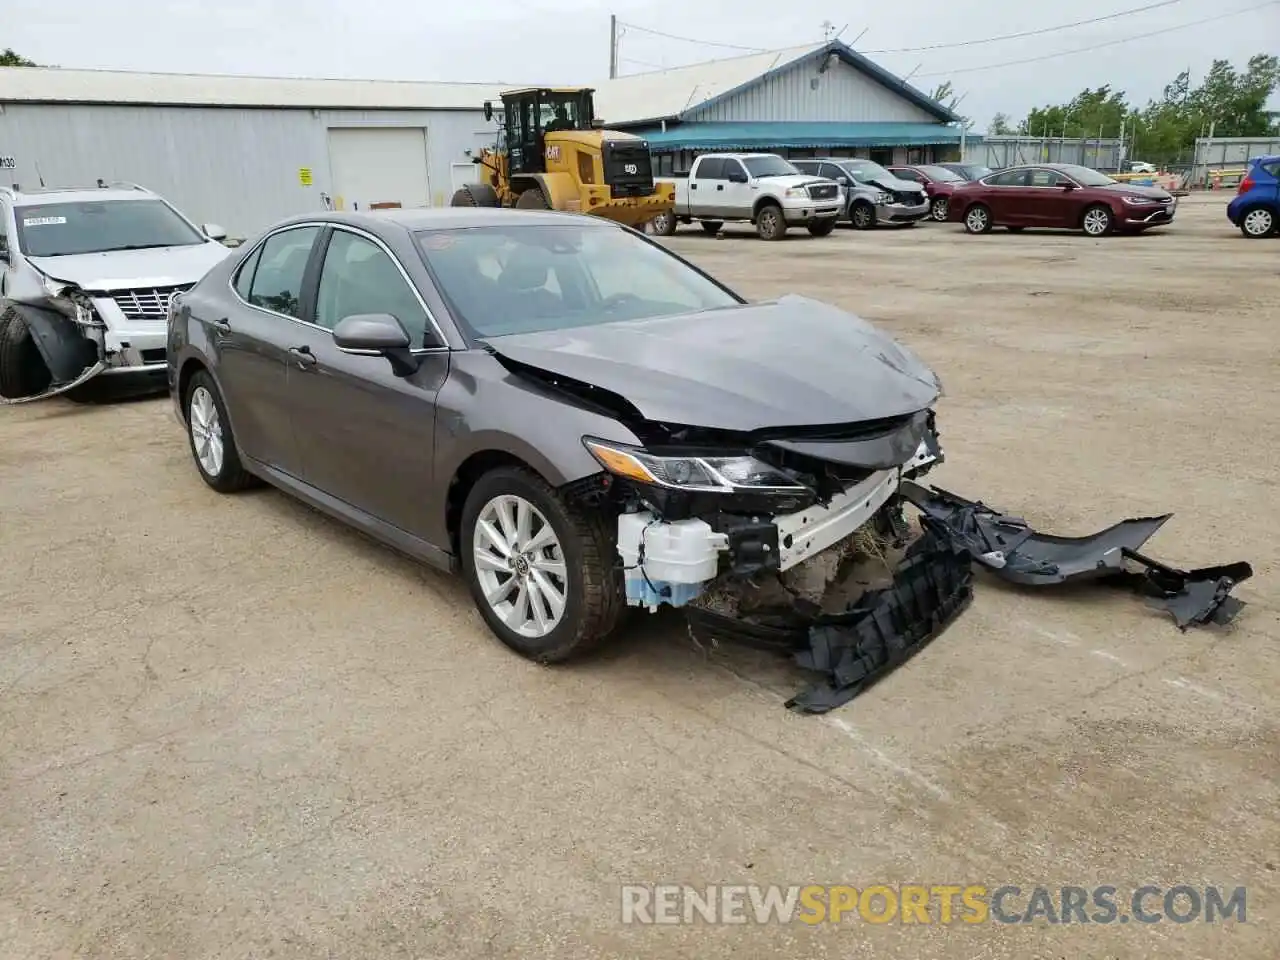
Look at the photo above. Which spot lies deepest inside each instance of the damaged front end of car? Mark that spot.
(52, 341)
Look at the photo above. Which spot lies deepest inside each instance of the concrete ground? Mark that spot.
(232, 728)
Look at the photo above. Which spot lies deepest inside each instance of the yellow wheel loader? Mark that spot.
(552, 154)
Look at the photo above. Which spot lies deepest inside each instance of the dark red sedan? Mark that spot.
(1060, 195)
(938, 184)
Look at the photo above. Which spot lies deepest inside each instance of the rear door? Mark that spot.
(249, 343)
(706, 184)
(1005, 194)
(367, 435)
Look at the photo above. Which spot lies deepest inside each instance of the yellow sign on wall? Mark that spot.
(304, 176)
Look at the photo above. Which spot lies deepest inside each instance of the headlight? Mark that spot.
(709, 474)
(1138, 200)
(796, 192)
(883, 198)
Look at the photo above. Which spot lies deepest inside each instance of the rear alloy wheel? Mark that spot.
(977, 219)
(664, 224)
(1258, 223)
(939, 209)
(821, 228)
(770, 224)
(1097, 221)
(209, 432)
(541, 571)
(863, 216)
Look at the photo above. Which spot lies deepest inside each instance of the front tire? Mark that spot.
(209, 433)
(532, 199)
(664, 224)
(939, 209)
(822, 228)
(862, 215)
(22, 369)
(540, 570)
(770, 224)
(977, 219)
(1257, 222)
(1097, 221)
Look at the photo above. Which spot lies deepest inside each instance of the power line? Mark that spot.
(705, 43)
(1029, 33)
(1099, 46)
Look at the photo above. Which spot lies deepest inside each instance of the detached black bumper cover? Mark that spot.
(1012, 550)
(851, 650)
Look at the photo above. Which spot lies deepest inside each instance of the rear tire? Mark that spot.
(977, 219)
(22, 369)
(862, 215)
(591, 585)
(770, 223)
(1097, 220)
(664, 224)
(711, 227)
(213, 447)
(1257, 222)
(821, 228)
(532, 199)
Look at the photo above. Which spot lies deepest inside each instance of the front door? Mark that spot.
(250, 343)
(366, 434)
(736, 196)
(1048, 202)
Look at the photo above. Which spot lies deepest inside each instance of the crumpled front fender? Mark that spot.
(67, 348)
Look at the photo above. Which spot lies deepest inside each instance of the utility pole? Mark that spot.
(613, 46)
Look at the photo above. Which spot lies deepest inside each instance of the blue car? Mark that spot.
(1256, 208)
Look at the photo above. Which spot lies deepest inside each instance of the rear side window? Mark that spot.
(1273, 168)
(903, 173)
(1010, 178)
(710, 168)
(244, 277)
(277, 282)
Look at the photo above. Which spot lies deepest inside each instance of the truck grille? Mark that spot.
(151, 303)
(823, 191)
(628, 168)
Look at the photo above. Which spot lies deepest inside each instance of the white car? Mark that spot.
(85, 281)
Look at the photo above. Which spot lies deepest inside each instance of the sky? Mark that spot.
(567, 41)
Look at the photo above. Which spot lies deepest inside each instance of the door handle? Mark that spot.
(719, 186)
(693, 186)
(303, 357)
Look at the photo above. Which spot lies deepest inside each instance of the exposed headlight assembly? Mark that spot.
(718, 474)
(882, 198)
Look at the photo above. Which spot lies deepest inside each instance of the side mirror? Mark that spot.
(846, 182)
(376, 335)
(488, 111)
(737, 177)
(214, 232)
(1068, 185)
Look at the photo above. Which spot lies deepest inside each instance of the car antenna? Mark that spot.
(39, 175)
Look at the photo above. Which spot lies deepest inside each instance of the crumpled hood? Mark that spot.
(785, 363)
(894, 185)
(130, 269)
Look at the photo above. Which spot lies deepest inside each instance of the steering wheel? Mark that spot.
(617, 300)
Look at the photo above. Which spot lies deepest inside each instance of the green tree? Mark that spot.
(1088, 112)
(944, 94)
(1000, 126)
(11, 58)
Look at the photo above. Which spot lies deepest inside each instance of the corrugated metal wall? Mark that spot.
(235, 167)
(802, 93)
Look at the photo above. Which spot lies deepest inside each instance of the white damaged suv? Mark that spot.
(85, 281)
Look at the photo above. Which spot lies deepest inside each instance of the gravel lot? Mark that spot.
(234, 729)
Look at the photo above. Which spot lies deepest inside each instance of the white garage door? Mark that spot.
(379, 166)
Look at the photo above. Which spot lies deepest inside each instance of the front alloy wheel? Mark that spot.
(939, 210)
(1097, 221)
(206, 432)
(520, 566)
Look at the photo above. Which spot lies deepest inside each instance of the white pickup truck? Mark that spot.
(760, 188)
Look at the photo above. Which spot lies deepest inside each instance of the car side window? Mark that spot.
(359, 277)
(711, 168)
(1046, 178)
(277, 281)
(830, 171)
(806, 166)
(1272, 168)
(4, 229)
(1010, 178)
(244, 276)
(902, 174)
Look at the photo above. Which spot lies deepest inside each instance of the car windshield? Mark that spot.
(769, 167)
(865, 170)
(98, 226)
(1086, 176)
(941, 173)
(511, 279)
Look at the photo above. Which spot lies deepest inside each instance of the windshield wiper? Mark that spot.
(143, 246)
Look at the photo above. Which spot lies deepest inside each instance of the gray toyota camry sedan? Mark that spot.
(559, 408)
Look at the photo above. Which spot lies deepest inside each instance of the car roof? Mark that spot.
(77, 195)
(443, 218)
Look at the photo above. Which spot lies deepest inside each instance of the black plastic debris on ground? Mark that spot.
(853, 649)
(1013, 551)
